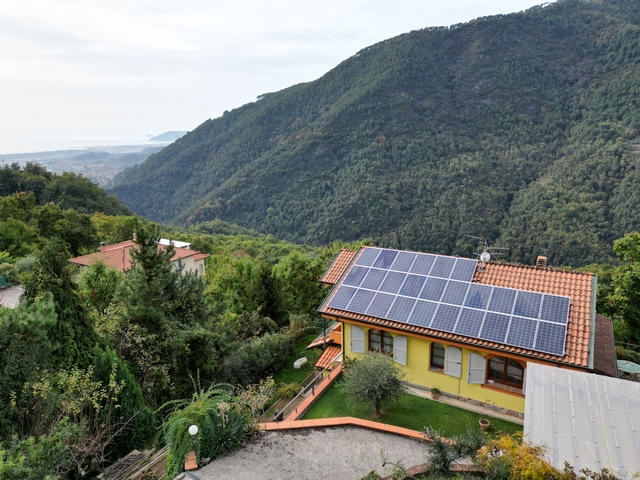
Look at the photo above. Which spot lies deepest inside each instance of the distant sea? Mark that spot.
(10, 146)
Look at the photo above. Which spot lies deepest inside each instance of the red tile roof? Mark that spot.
(576, 285)
(118, 255)
(329, 354)
(338, 266)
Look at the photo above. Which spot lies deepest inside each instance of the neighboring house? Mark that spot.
(118, 256)
(590, 421)
(466, 327)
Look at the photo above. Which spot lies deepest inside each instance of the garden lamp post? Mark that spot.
(193, 431)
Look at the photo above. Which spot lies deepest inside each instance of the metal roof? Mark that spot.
(588, 420)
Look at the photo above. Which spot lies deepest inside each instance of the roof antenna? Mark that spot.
(487, 252)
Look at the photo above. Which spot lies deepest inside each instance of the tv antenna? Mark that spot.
(487, 252)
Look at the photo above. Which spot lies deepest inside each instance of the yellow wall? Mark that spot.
(418, 372)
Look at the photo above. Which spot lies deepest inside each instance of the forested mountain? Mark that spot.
(521, 128)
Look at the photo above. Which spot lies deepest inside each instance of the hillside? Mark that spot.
(520, 127)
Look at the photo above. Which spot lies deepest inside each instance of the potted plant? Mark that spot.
(435, 392)
(484, 424)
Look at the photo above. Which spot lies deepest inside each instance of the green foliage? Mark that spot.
(287, 390)
(73, 335)
(97, 285)
(210, 411)
(521, 128)
(374, 380)
(257, 359)
(620, 298)
(132, 423)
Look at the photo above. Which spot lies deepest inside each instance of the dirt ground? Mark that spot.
(339, 453)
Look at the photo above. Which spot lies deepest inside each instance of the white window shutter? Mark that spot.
(357, 339)
(477, 368)
(400, 349)
(524, 381)
(453, 362)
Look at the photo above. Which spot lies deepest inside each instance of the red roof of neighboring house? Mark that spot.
(576, 285)
(118, 255)
(329, 354)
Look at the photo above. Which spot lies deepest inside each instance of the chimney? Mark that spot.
(541, 262)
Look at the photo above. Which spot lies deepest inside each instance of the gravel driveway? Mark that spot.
(339, 453)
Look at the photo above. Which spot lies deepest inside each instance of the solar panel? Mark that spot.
(412, 285)
(478, 296)
(464, 269)
(380, 304)
(442, 267)
(436, 291)
(355, 276)
(522, 332)
(455, 292)
(527, 304)
(401, 309)
(368, 256)
(469, 322)
(495, 327)
(445, 318)
(360, 301)
(373, 279)
(385, 259)
(550, 338)
(392, 282)
(433, 289)
(502, 300)
(342, 298)
(422, 264)
(555, 309)
(403, 261)
(423, 313)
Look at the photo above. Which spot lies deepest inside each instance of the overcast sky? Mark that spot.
(97, 69)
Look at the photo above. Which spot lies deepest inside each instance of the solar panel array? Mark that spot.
(435, 291)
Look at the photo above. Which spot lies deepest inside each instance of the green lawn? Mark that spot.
(410, 412)
(288, 374)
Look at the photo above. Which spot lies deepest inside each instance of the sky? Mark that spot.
(83, 70)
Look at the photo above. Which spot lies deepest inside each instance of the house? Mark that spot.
(118, 256)
(467, 327)
(590, 421)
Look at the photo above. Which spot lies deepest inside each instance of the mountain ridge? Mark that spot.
(435, 134)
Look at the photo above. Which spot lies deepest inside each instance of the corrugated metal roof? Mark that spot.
(588, 420)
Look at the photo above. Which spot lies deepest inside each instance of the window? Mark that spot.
(506, 371)
(437, 356)
(380, 341)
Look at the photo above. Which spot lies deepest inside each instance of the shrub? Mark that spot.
(257, 359)
(287, 390)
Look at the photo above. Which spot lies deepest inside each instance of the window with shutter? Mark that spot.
(437, 356)
(400, 349)
(477, 367)
(453, 362)
(357, 339)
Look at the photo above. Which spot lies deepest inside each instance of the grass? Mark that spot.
(410, 412)
(288, 374)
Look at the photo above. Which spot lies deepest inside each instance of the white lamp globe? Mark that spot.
(193, 430)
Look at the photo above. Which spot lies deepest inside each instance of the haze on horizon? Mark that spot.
(103, 69)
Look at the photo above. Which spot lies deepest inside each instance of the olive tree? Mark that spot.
(374, 380)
